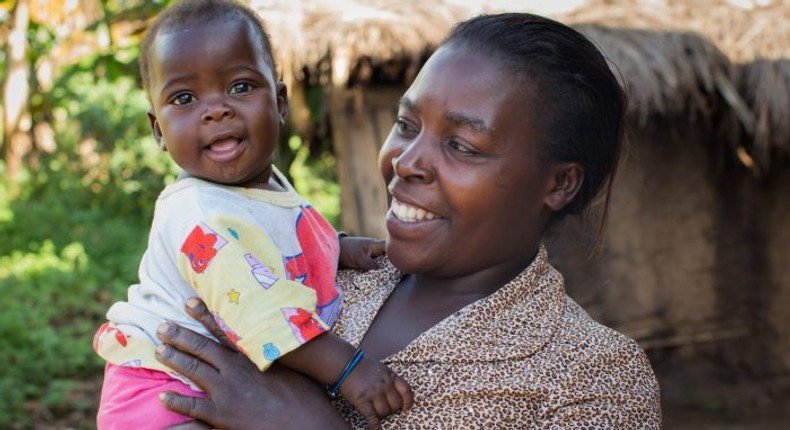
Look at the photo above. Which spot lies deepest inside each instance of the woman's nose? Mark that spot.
(413, 162)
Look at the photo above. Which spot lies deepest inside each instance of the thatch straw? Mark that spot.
(765, 84)
(756, 39)
(306, 31)
(677, 57)
(665, 73)
(744, 34)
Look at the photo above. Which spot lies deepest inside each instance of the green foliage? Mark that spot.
(44, 294)
(73, 231)
(70, 262)
(314, 178)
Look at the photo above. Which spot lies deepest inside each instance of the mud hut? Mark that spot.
(693, 261)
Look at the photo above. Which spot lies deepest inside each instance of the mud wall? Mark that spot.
(695, 264)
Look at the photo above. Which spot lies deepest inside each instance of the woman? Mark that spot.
(513, 123)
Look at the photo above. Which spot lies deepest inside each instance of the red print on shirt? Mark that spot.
(315, 267)
(199, 248)
(308, 327)
(119, 336)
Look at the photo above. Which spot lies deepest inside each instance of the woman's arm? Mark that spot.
(239, 396)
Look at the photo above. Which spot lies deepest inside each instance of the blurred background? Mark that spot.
(693, 264)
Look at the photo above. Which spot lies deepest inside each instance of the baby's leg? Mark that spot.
(130, 399)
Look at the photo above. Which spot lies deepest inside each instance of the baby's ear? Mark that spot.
(156, 130)
(282, 101)
(566, 179)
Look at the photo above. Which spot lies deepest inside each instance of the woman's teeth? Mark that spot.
(408, 213)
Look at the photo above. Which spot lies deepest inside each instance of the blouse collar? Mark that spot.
(513, 322)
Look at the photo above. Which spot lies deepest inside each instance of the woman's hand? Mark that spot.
(239, 395)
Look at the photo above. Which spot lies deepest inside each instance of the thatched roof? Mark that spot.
(676, 56)
(755, 40)
(306, 31)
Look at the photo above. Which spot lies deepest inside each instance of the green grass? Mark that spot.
(61, 267)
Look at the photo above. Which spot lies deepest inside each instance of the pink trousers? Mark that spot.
(130, 399)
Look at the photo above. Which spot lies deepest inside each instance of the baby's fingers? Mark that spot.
(394, 401)
(406, 395)
(376, 248)
(372, 420)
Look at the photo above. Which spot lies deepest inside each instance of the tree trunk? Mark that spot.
(361, 120)
(16, 90)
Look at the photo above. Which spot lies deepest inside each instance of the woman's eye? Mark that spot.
(183, 98)
(404, 128)
(240, 87)
(459, 147)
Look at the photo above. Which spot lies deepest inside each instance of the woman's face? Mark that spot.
(461, 164)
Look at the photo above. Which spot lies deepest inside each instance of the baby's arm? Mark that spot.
(241, 275)
(371, 387)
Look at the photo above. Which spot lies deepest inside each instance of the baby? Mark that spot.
(232, 231)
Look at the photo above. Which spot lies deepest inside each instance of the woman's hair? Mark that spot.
(191, 12)
(582, 105)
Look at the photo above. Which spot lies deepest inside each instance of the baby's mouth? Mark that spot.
(223, 145)
(225, 149)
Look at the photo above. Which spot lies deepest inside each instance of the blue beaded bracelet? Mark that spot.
(334, 390)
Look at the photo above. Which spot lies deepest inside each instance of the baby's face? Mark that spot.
(216, 106)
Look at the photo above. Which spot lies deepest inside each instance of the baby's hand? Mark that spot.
(360, 252)
(376, 392)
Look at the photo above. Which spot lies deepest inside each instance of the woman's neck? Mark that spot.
(479, 283)
(421, 301)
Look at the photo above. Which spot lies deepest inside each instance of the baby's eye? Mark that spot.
(240, 87)
(183, 98)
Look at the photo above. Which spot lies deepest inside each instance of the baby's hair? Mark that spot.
(191, 12)
(582, 105)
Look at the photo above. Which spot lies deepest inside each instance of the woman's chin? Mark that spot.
(399, 256)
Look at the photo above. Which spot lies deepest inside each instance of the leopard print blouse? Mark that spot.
(525, 357)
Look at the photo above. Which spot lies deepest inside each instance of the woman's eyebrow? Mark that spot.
(455, 118)
(476, 124)
(408, 103)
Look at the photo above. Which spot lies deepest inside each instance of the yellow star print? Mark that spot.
(233, 296)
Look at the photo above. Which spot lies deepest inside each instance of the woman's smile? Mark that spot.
(408, 221)
(408, 213)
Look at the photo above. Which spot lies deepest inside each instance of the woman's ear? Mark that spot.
(566, 180)
(282, 101)
(156, 130)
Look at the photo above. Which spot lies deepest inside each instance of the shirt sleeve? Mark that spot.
(614, 389)
(240, 274)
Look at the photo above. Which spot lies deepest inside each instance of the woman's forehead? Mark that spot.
(464, 80)
(464, 67)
